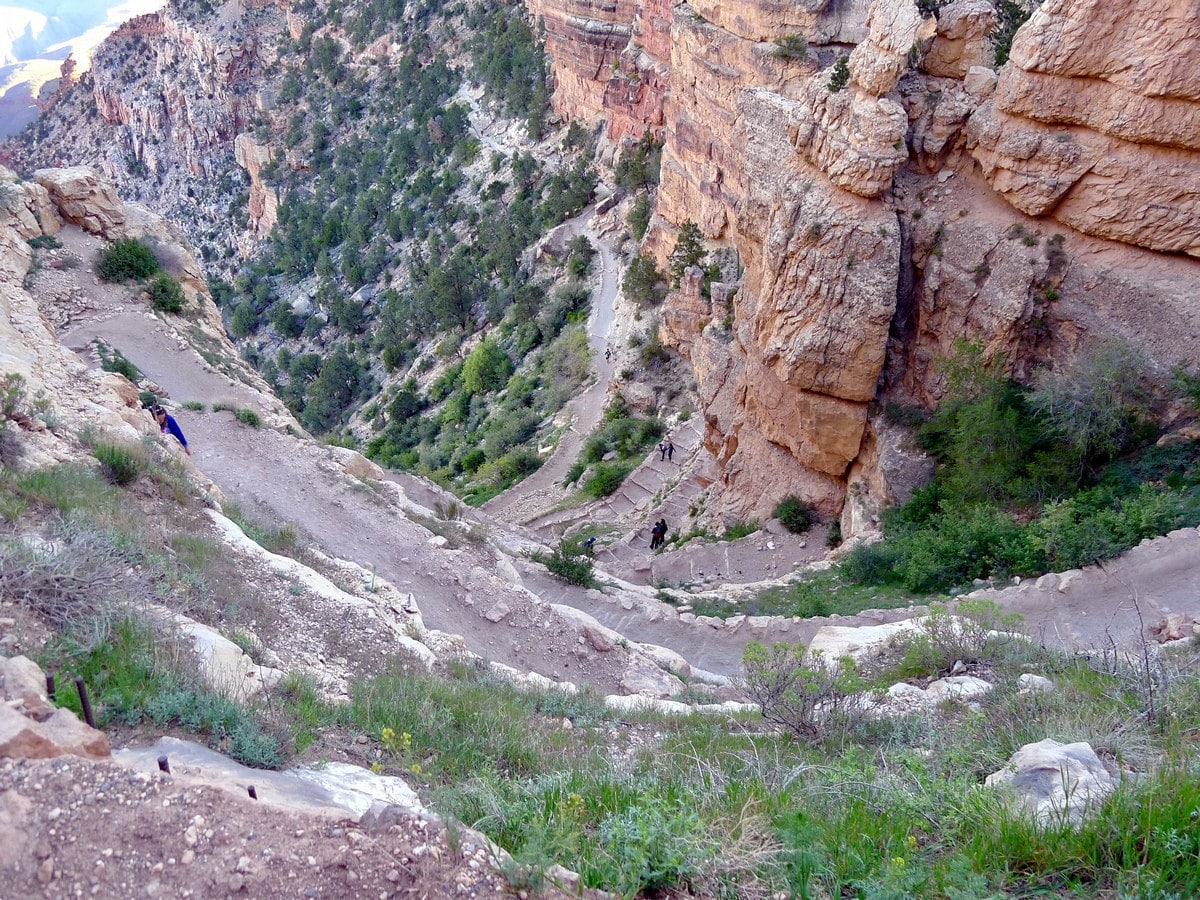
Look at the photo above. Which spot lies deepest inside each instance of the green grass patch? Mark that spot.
(122, 463)
(248, 417)
(570, 562)
(138, 676)
(824, 593)
(282, 539)
(113, 360)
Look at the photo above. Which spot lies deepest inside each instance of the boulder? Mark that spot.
(224, 666)
(1173, 627)
(24, 684)
(85, 198)
(645, 678)
(962, 41)
(1034, 684)
(958, 687)
(62, 733)
(836, 641)
(1054, 782)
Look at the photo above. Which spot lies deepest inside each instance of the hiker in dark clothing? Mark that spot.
(662, 449)
(658, 534)
(670, 450)
(168, 425)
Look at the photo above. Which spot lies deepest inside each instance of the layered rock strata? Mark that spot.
(1096, 121)
(868, 221)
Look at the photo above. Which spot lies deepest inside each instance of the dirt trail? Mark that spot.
(541, 490)
(292, 479)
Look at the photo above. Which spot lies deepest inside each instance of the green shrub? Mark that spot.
(45, 242)
(248, 417)
(486, 369)
(840, 76)
(194, 406)
(794, 514)
(570, 562)
(122, 463)
(638, 219)
(643, 282)
(245, 320)
(806, 695)
(126, 259)
(606, 479)
(166, 295)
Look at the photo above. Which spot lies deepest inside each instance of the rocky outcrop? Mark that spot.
(179, 120)
(839, 297)
(264, 200)
(1096, 121)
(85, 199)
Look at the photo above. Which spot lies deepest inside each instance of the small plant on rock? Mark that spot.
(791, 46)
(840, 76)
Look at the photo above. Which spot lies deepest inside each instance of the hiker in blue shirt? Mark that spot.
(168, 425)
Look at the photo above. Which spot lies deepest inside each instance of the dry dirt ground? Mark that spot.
(76, 828)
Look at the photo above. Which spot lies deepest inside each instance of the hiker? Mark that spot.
(655, 536)
(607, 354)
(662, 449)
(168, 425)
(662, 532)
(589, 545)
(670, 451)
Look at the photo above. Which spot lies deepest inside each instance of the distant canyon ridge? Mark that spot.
(38, 37)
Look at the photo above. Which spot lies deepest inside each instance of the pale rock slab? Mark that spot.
(332, 789)
(1054, 782)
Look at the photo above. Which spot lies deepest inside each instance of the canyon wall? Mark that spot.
(928, 198)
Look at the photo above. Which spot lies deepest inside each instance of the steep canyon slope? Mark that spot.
(1035, 207)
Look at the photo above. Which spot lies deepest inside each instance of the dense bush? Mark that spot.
(688, 251)
(126, 259)
(605, 479)
(643, 282)
(794, 514)
(1030, 481)
(638, 167)
(166, 295)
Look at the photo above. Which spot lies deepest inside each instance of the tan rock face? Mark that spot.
(894, 27)
(85, 198)
(264, 200)
(962, 39)
(31, 728)
(1096, 121)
